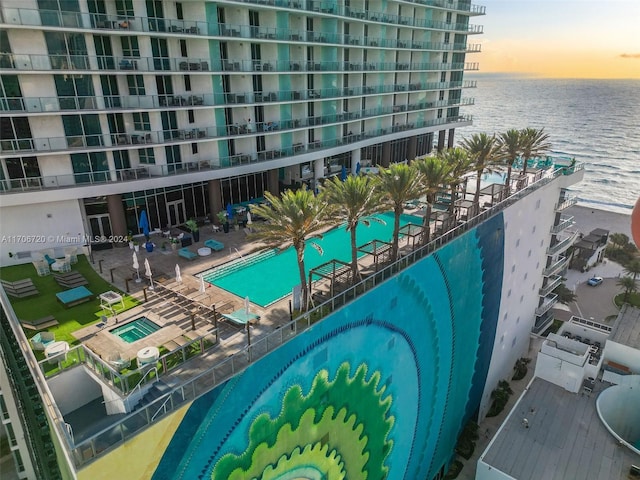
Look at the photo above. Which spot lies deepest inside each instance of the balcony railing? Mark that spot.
(552, 283)
(556, 267)
(548, 302)
(219, 100)
(149, 171)
(100, 21)
(566, 203)
(234, 361)
(36, 62)
(566, 221)
(563, 244)
(100, 141)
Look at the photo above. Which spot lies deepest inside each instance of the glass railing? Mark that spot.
(548, 302)
(563, 244)
(142, 172)
(100, 21)
(552, 283)
(566, 221)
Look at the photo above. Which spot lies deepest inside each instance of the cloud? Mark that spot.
(630, 55)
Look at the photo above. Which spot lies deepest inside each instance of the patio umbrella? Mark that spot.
(178, 276)
(136, 266)
(202, 286)
(143, 223)
(229, 211)
(246, 305)
(147, 272)
(343, 175)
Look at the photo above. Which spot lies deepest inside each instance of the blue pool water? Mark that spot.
(136, 330)
(273, 276)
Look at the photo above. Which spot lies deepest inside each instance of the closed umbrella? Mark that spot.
(178, 276)
(147, 272)
(136, 267)
(343, 175)
(202, 286)
(249, 221)
(358, 168)
(246, 305)
(143, 223)
(229, 211)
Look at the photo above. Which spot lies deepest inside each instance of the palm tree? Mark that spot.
(353, 200)
(398, 184)
(632, 268)
(435, 174)
(534, 144)
(511, 149)
(459, 164)
(629, 286)
(291, 219)
(485, 152)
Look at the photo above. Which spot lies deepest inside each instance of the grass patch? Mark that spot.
(634, 299)
(46, 302)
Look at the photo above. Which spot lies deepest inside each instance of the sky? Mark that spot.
(559, 38)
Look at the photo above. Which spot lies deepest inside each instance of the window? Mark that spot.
(445, 57)
(75, 92)
(130, 46)
(141, 121)
(67, 50)
(174, 160)
(187, 83)
(449, 17)
(183, 48)
(136, 85)
(179, 14)
(22, 168)
(194, 148)
(82, 130)
(90, 167)
(441, 95)
(191, 115)
(160, 52)
(145, 155)
(447, 37)
(15, 133)
(443, 77)
(124, 8)
(10, 93)
(121, 159)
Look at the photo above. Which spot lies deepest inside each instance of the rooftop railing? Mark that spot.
(235, 362)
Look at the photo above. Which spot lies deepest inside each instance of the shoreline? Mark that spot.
(589, 218)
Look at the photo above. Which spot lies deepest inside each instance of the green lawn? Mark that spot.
(634, 299)
(46, 302)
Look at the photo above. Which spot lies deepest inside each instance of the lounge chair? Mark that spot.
(70, 279)
(40, 340)
(40, 323)
(20, 288)
(214, 245)
(186, 253)
(42, 267)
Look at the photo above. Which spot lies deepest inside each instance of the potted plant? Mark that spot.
(224, 221)
(192, 226)
(149, 246)
(174, 243)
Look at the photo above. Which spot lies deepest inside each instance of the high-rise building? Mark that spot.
(111, 107)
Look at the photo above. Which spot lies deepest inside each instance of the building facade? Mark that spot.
(180, 108)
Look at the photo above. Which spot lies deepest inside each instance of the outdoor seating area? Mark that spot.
(74, 296)
(20, 288)
(42, 268)
(41, 340)
(40, 323)
(214, 245)
(70, 279)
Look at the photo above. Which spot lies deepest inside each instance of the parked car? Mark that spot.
(594, 281)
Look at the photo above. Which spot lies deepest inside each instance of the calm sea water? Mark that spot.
(595, 121)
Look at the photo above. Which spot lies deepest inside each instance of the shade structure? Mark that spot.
(143, 223)
(136, 266)
(202, 285)
(178, 276)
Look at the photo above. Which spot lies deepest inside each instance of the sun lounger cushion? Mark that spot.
(186, 253)
(74, 296)
(214, 245)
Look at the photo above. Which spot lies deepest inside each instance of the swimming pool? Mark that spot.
(267, 277)
(136, 330)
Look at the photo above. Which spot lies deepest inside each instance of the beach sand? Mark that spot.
(588, 219)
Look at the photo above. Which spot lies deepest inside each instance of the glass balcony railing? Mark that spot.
(219, 100)
(148, 171)
(552, 282)
(556, 267)
(563, 245)
(101, 21)
(100, 141)
(548, 302)
(566, 221)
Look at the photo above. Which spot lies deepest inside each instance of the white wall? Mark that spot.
(487, 472)
(37, 227)
(559, 372)
(73, 388)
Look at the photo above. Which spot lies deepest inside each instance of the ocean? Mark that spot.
(595, 121)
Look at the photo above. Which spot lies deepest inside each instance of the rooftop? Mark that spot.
(562, 438)
(626, 330)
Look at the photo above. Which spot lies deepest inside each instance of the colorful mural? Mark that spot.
(380, 389)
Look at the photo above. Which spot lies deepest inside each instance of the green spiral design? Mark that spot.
(339, 430)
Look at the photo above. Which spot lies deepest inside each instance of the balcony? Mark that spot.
(542, 323)
(552, 282)
(566, 221)
(556, 267)
(548, 302)
(566, 203)
(562, 245)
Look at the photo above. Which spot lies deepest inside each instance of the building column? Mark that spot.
(412, 148)
(214, 189)
(117, 216)
(451, 139)
(355, 160)
(441, 135)
(274, 182)
(386, 154)
(318, 171)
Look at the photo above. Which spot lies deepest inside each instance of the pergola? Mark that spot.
(443, 221)
(411, 232)
(466, 209)
(336, 271)
(378, 249)
(497, 191)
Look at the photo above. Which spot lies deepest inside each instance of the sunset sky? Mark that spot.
(560, 38)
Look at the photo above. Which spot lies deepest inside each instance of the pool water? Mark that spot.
(272, 277)
(136, 330)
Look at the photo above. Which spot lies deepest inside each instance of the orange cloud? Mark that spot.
(630, 55)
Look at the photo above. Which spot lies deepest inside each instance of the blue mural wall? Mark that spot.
(379, 389)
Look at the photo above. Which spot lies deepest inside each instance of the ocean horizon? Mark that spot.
(593, 120)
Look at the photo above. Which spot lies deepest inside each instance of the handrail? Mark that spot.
(237, 361)
(138, 386)
(153, 417)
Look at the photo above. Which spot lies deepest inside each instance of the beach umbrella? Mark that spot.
(136, 266)
(178, 276)
(343, 175)
(229, 211)
(147, 272)
(202, 286)
(358, 168)
(249, 222)
(143, 223)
